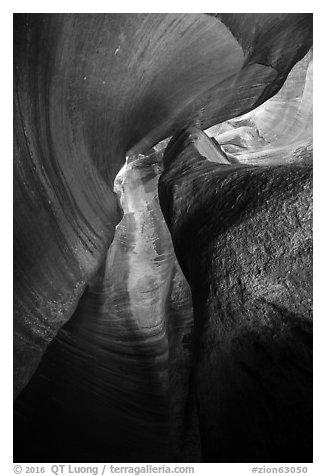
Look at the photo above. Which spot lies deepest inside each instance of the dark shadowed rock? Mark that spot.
(106, 373)
(90, 87)
(243, 237)
(112, 320)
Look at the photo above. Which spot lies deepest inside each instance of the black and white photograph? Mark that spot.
(162, 241)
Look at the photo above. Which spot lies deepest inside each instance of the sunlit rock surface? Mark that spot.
(112, 356)
(278, 131)
(243, 237)
(90, 89)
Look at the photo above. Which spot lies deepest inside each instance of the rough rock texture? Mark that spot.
(88, 90)
(243, 237)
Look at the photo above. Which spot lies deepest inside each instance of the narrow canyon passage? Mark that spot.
(112, 355)
(106, 361)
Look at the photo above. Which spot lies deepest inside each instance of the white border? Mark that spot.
(319, 466)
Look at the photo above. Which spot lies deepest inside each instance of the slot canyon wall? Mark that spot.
(106, 362)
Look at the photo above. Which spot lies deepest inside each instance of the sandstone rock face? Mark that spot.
(104, 301)
(278, 131)
(112, 356)
(243, 237)
(87, 89)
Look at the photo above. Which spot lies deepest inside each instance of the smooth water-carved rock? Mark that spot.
(106, 372)
(88, 88)
(243, 237)
(278, 131)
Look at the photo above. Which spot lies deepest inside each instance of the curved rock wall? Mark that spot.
(106, 372)
(278, 131)
(89, 89)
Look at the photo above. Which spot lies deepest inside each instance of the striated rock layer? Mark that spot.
(243, 237)
(88, 90)
(278, 131)
(106, 372)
